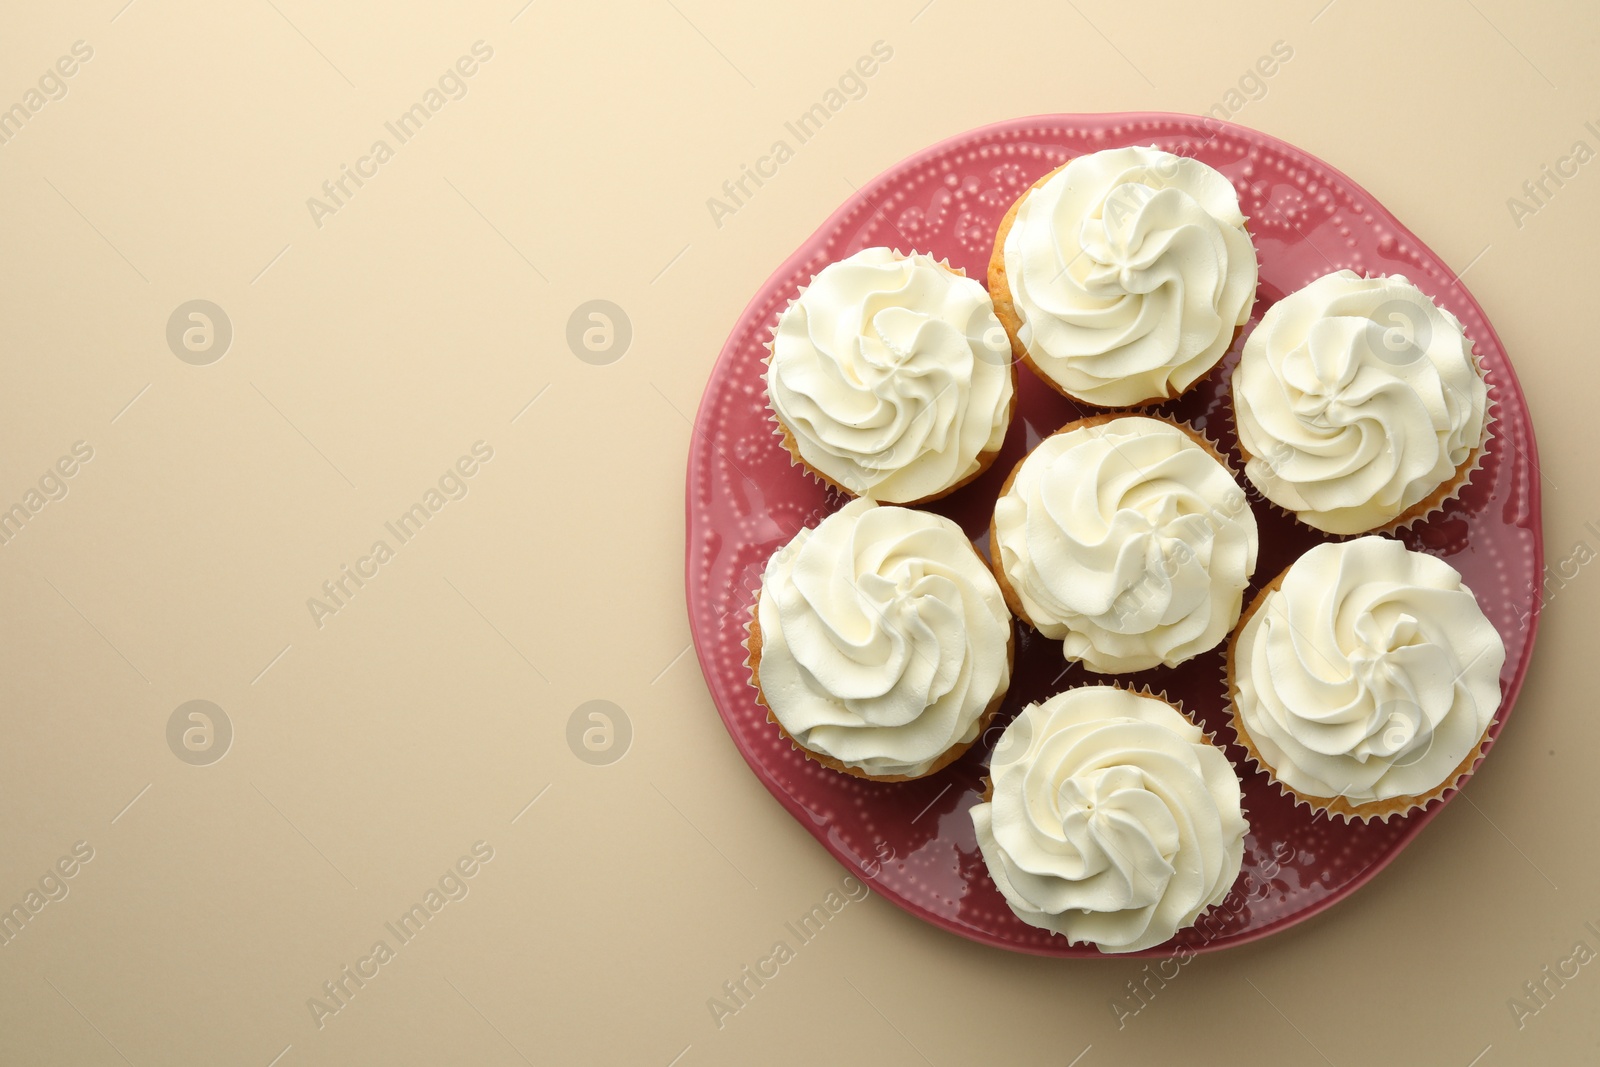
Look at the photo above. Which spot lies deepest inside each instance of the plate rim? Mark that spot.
(1416, 821)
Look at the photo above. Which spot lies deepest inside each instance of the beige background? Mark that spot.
(372, 351)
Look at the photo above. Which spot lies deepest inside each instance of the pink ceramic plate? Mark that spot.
(914, 841)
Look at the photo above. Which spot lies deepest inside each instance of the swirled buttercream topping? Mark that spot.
(1130, 269)
(1370, 673)
(1128, 541)
(1112, 821)
(892, 376)
(884, 638)
(1357, 398)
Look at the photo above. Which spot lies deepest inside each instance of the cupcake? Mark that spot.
(1364, 678)
(880, 644)
(1123, 276)
(1110, 819)
(1126, 538)
(1359, 404)
(890, 377)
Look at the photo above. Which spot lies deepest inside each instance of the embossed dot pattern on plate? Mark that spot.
(745, 500)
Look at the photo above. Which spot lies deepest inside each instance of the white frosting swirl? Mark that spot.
(1127, 541)
(1370, 673)
(883, 638)
(892, 374)
(1113, 820)
(1356, 399)
(1129, 269)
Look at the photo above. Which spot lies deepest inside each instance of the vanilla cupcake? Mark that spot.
(1123, 276)
(1365, 678)
(1359, 403)
(1126, 538)
(890, 377)
(880, 643)
(1110, 819)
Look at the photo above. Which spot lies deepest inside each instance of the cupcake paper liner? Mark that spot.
(1435, 502)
